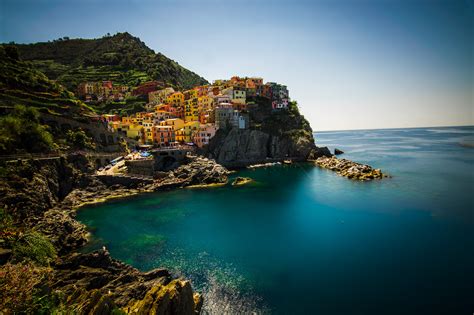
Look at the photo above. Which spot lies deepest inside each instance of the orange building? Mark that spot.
(163, 136)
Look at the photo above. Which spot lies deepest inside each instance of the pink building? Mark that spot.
(204, 134)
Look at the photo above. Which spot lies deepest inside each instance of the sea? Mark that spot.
(302, 240)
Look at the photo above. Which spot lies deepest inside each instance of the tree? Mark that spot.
(80, 140)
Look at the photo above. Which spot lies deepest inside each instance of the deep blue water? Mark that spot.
(302, 240)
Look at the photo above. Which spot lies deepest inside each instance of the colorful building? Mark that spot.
(159, 96)
(147, 133)
(239, 96)
(189, 94)
(186, 134)
(175, 99)
(163, 136)
(204, 134)
(205, 102)
(133, 131)
(176, 123)
(191, 109)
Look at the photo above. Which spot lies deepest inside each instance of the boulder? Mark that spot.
(338, 152)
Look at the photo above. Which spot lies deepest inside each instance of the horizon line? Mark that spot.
(394, 128)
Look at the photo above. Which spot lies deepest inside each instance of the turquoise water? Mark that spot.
(302, 240)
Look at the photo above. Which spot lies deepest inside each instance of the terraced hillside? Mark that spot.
(22, 84)
(121, 58)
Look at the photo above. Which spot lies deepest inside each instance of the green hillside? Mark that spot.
(121, 58)
(22, 84)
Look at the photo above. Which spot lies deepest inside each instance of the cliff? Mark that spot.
(273, 135)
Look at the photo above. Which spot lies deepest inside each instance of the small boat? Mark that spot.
(287, 162)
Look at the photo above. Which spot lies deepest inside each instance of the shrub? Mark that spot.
(18, 287)
(21, 130)
(34, 247)
(5, 220)
(80, 140)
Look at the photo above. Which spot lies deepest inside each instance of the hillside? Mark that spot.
(121, 58)
(22, 84)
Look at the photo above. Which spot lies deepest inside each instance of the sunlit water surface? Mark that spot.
(302, 240)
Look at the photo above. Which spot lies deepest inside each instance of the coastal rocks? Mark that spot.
(44, 194)
(63, 231)
(239, 181)
(199, 171)
(350, 169)
(240, 148)
(98, 284)
(319, 152)
(338, 152)
(29, 188)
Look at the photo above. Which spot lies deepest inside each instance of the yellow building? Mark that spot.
(239, 96)
(176, 99)
(186, 134)
(191, 109)
(176, 123)
(147, 133)
(205, 102)
(133, 130)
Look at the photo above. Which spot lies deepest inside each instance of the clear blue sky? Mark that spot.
(352, 64)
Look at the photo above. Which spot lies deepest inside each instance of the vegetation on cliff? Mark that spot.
(121, 58)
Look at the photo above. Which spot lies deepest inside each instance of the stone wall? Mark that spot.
(123, 180)
(141, 167)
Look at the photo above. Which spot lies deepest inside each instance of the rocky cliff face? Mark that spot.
(97, 284)
(272, 136)
(237, 148)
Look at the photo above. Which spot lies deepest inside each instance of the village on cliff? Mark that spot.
(191, 117)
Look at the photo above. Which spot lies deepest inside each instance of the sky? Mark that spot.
(350, 64)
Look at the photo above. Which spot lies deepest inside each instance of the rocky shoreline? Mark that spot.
(43, 196)
(349, 169)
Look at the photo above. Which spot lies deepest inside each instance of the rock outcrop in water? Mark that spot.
(44, 194)
(239, 181)
(350, 169)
